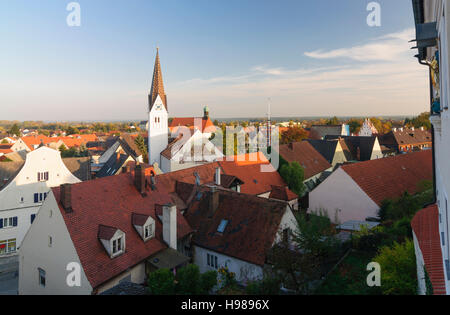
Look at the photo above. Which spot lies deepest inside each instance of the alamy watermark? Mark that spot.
(374, 17)
(74, 17)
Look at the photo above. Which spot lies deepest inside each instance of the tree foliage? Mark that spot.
(423, 120)
(188, 281)
(293, 134)
(293, 174)
(315, 247)
(14, 130)
(398, 269)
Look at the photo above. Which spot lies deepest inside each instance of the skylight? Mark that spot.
(222, 226)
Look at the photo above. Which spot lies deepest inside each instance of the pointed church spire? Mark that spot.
(157, 84)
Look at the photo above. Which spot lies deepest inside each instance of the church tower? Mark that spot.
(158, 116)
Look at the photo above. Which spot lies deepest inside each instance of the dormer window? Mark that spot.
(112, 239)
(117, 246)
(144, 225)
(148, 231)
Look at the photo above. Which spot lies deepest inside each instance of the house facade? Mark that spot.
(431, 226)
(356, 191)
(23, 194)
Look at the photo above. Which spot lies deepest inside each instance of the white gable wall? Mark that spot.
(340, 194)
(25, 185)
(36, 253)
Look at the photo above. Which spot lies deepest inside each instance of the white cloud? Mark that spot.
(386, 48)
(386, 80)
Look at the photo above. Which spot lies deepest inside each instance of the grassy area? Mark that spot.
(349, 278)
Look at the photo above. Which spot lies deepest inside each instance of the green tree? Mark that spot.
(14, 130)
(316, 247)
(398, 269)
(293, 174)
(333, 121)
(355, 125)
(161, 282)
(140, 142)
(4, 141)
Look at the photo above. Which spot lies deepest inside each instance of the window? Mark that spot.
(8, 222)
(222, 226)
(117, 246)
(41, 277)
(33, 216)
(148, 231)
(50, 241)
(212, 261)
(42, 176)
(39, 197)
(7, 246)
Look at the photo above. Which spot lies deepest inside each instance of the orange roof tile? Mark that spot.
(390, 177)
(425, 225)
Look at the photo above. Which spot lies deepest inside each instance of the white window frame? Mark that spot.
(117, 245)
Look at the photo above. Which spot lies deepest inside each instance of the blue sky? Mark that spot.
(311, 57)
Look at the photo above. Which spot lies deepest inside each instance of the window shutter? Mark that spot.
(33, 216)
(39, 176)
(1, 223)
(15, 221)
(36, 198)
(46, 175)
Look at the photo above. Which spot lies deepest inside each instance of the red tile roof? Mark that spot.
(304, 153)
(256, 181)
(111, 201)
(282, 193)
(425, 225)
(206, 123)
(252, 226)
(390, 177)
(247, 169)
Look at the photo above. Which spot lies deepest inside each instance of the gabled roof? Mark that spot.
(129, 145)
(355, 144)
(282, 193)
(106, 232)
(8, 171)
(327, 148)
(157, 84)
(256, 181)
(305, 154)
(113, 165)
(389, 178)
(318, 132)
(111, 201)
(79, 166)
(204, 124)
(406, 136)
(252, 226)
(425, 225)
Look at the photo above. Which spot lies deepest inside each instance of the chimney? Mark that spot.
(412, 128)
(213, 200)
(66, 197)
(153, 181)
(170, 225)
(217, 176)
(139, 178)
(421, 128)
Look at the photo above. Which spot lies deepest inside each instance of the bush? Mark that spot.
(208, 281)
(161, 282)
(188, 280)
(398, 269)
(267, 286)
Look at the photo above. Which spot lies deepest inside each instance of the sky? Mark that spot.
(311, 58)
